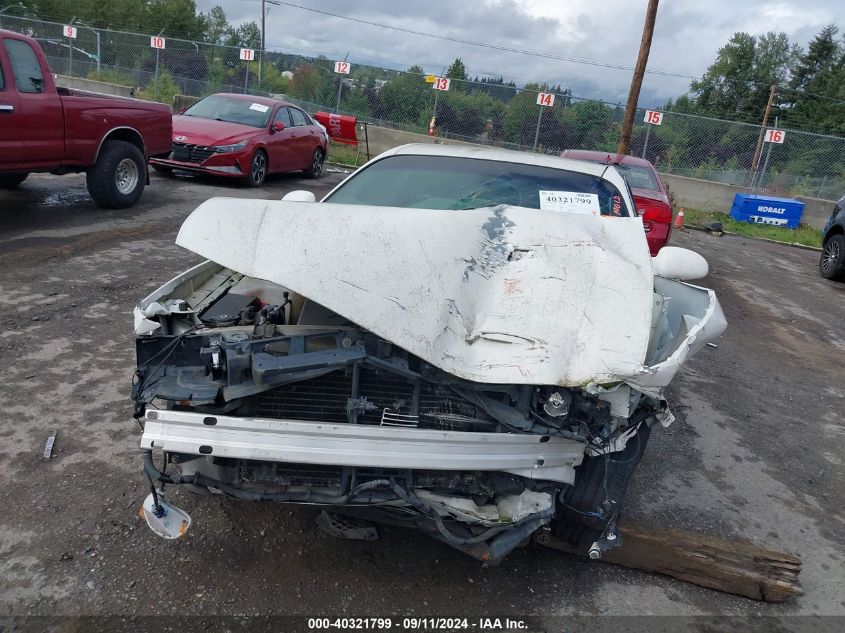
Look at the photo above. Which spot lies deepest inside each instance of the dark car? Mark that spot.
(650, 195)
(245, 137)
(832, 262)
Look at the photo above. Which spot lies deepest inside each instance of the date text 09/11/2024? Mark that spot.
(418, 624)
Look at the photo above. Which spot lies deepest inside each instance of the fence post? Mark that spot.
(246, 77)
(537, 131)
(761, 181)
(647, 136)
(155, 81)
(70, 57)
(339, 90)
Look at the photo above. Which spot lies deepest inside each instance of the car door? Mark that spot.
(280, 145)
(303, 140)
(9, 136)
(32, 120)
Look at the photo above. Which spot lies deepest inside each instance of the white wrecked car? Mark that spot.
(468, 341)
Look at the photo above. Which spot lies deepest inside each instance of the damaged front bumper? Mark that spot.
(532, 456)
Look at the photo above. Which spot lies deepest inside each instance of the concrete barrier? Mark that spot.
(180, 102)
(706, 195)
(382, 139)
(89, 85)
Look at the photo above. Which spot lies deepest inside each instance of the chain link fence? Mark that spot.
(486, 111)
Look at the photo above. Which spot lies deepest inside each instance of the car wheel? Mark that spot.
(117, 179)
(832, 262)
(578, 519)
(10, 181)
(257, 169)
(316, 168)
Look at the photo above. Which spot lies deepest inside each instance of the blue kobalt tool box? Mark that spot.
(766, 210)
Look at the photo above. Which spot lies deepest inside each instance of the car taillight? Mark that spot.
(653, 211)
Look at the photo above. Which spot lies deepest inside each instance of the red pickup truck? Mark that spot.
(49, 129)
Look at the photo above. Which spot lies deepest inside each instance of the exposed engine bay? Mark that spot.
(257, 391)
(238, 348)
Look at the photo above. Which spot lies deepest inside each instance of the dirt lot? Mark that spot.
(757, 451)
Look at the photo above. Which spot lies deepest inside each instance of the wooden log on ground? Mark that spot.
(729, 565)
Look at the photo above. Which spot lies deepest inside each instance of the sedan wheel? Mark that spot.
(257, 169)
(832, 262)
(316, 167)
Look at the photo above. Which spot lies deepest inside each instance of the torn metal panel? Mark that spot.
(691, 317)
(572, 308)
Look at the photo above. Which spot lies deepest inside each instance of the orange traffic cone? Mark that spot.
(679, 220)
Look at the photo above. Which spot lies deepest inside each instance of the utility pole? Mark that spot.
(637, 79)
(261, 52)
(759, 150)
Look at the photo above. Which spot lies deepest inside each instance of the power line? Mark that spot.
(530, 53)
(497, 47)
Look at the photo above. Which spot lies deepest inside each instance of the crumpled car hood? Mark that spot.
(495, 295)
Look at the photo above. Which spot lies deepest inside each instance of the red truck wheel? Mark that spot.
(117, 179)
(10, 181)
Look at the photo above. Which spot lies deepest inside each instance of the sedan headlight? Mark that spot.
(220, 149)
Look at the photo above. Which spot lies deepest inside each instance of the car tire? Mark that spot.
(117, 179)
(317, 160)
(574, 522)
(10, 181)
(257, 169)
(832, 260)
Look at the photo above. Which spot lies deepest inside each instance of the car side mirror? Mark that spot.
(299, 196)
(679, 263)
(277, 126)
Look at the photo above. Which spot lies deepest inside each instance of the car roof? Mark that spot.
(497, 154)
(268, 101)
(606, 158)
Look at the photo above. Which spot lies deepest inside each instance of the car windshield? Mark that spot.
(452, 183)
(222, 108)
(638, 177)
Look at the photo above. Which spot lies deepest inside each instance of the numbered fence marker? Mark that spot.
(654, 117)
(441, 83)
(342, 68)
(545, 99)
(69, 31)
(157, 42)
(247, 54)
(775, 136)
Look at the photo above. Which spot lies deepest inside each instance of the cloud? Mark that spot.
(687, 36)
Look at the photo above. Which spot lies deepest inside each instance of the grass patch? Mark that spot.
(804, 235)
(349, 155)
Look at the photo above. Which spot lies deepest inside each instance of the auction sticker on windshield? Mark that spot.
(260, 107)
(569, 202)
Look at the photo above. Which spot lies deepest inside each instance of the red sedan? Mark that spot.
(245, 137)
(650, 195)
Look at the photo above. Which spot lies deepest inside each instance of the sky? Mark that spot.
(687, 36)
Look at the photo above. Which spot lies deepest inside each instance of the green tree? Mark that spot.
(736, 85)
(306, 83)
(216, 26)
(458, 72)
(247, 35)
(407, 96)
(817, 88)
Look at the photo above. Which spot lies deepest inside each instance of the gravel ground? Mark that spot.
(756, 452)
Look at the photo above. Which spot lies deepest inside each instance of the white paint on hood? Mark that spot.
(496, 295)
